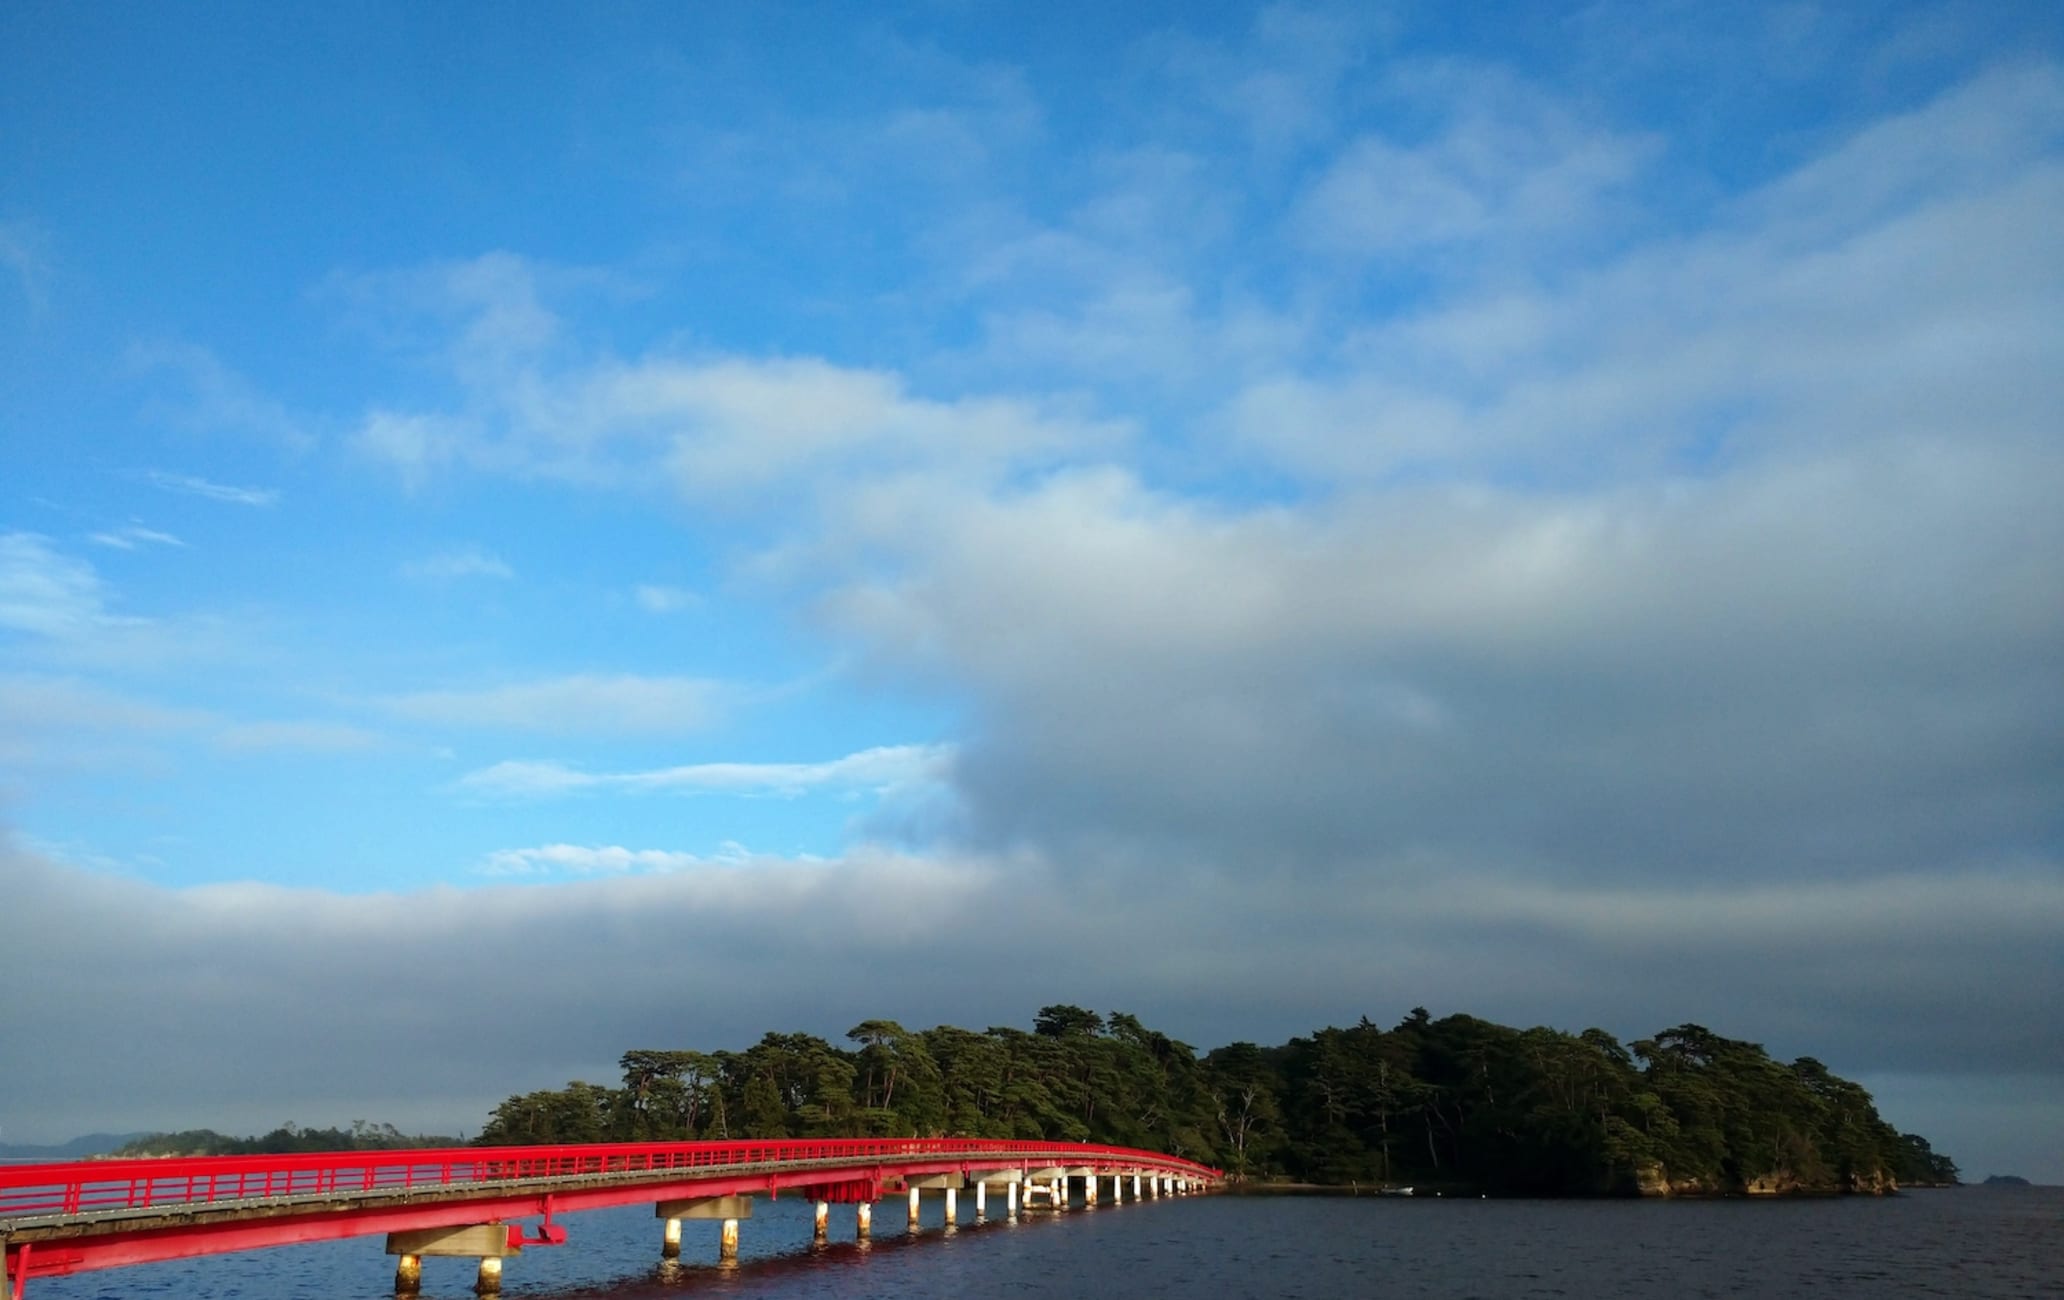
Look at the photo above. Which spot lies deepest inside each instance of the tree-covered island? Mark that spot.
(287, 1139)
(1455, 1104)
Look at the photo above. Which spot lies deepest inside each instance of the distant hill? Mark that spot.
(93, 1144)
(2006, 1180)
(361, 1136)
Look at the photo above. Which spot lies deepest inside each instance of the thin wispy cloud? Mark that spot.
(458, 563)
(208, 396)
(130, 537)
(25, 252)
(45, 704)
(881, 768)
(196, 486)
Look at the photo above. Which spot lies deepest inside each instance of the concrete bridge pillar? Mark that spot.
(981, 1200)
(823, 1224)
(487, 1242)
(1135, 1187)
(913, 1209)
(951, 1196)
(863, 1225)
(1011, 1200)
(728, 1209)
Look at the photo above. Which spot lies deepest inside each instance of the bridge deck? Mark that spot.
(74, 1217)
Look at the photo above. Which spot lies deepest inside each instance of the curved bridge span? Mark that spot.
(94, 1214)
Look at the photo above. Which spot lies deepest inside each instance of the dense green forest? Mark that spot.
(1456, 1103)
(287, 1138)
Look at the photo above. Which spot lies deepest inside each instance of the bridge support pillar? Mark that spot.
(822, 1230)
(913, 1209)
(1011, 1199)
(863, 1222)
(729, 1209)
(488, 1242)
(951, 1197)
(981, 1200)
(1135, 1187)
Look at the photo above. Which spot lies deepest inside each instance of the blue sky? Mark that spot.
(1251, 501)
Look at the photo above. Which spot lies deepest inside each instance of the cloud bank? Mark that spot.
(1364, 536)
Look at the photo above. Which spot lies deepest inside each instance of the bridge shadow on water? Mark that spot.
(780, 1271)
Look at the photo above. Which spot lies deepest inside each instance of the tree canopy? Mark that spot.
(288, 1138)
(1455, 1102)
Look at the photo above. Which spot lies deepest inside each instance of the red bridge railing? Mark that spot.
(102, 1186)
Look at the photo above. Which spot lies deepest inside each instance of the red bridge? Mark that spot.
(74, 1217)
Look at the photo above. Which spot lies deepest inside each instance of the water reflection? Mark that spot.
(767, 1273)
(1965, 1243)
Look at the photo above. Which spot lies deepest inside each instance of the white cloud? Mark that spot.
(656, 598)
(49, 594)
(1966, 140)
(130, 537)
(193, 485)
(515, 778)
(1821, 312)
(583, 860)
(581, 704)
(216, 399)
(1510, 162)
(417, 446)
(731, 425)
(25, 250)
(723, 428)
(456, 563)
(885, 768)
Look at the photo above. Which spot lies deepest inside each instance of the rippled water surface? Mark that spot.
(1968, 1242)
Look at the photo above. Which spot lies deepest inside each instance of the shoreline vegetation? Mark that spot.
(1457, 1106)
(287, 1139)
